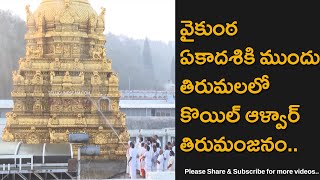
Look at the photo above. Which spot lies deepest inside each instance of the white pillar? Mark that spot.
(79, 159)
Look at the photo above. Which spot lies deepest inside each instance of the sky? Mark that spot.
(137, 19)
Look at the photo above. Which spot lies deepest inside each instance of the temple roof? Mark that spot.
(146, 104)
(7, 104)
(67, 10)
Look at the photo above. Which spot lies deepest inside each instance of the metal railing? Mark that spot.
(23, 166)
(15, 165)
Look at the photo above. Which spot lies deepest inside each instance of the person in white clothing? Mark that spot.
(160, 160)
(133, 161)
(141, 159)
(138, 147)
(166, 155)
(147, 160)
(154, 158)
(173, 147)
(157, 140)
(171, 162)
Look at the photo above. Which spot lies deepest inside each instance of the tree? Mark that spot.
(12, 47)
(148, 66)
(146, 55)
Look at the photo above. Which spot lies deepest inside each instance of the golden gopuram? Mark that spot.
(65, 83)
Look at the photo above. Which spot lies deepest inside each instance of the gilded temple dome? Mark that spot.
(65, 11)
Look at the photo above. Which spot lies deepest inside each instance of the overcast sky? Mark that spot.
(137, 19)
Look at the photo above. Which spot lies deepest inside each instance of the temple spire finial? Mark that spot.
(103, 13)
(28, 12)
(67, 3)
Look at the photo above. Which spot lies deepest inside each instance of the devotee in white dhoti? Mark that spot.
(141, 159)
(133, 161)
(138, 147)
(154, 158)
(160, 160)
(166, 155)
(147, 160)
(171, 162)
